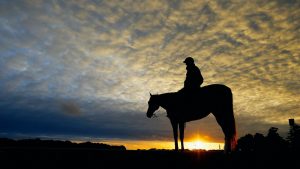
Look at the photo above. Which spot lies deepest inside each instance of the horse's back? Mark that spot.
(215, 95)
(205, 93)
(215, 88)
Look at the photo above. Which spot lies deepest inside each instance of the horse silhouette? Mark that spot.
(182, 108)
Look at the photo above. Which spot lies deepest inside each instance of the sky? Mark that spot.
(83, 70)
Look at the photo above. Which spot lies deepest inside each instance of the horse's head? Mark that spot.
(152, 106)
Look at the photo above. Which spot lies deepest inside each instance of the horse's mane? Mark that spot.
(170, 94)
(167, 98)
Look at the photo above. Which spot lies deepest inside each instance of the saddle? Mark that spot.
(189, 96)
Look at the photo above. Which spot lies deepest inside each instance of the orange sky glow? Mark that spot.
(157, 144)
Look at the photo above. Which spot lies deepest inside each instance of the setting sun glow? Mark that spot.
(198, 144)
(191, 145)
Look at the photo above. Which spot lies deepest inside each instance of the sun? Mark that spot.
(199, 145)
(203, 145)
(195, 145)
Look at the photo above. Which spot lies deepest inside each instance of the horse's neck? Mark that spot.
(164, 100)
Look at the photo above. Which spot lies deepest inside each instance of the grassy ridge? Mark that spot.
(94, 158)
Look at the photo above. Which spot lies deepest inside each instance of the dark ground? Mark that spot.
(92, 158)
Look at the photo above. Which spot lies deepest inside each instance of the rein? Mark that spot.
(155, 114)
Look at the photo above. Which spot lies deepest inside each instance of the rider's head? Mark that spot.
(188, 61)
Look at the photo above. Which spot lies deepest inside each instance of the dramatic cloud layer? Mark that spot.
(85, 68)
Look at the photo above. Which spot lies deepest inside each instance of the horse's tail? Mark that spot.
(232, 134)
(227, 122)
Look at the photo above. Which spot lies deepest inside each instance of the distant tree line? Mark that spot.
(38, 143)
(272, 142)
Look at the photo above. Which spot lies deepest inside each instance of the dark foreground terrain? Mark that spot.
(94, 158)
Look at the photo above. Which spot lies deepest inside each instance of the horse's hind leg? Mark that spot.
(221, 121)
(227, 124)
(175, 133)
(181, 132)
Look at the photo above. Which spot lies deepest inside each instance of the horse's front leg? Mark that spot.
(181, 134)
(175, 133)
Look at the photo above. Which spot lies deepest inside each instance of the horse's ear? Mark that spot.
(150, 94)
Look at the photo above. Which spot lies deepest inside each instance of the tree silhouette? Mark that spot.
(274, 141)
(294, 137)
(246, 143)
(259, 142)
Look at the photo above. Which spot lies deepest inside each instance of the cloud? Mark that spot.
(106, 56)
(71, 108)
(33, 119)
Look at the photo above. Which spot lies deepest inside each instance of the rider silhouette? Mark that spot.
(190, 92)
(193, 78)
